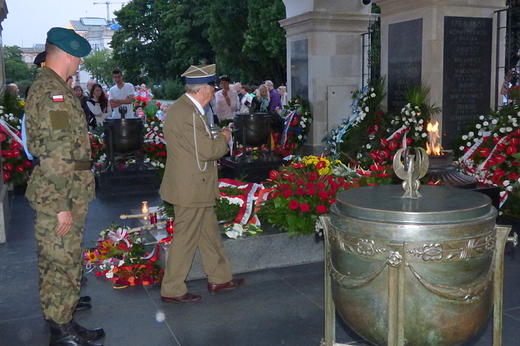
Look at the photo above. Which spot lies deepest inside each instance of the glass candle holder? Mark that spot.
(144, 207)
(169, 226)
(153, 218)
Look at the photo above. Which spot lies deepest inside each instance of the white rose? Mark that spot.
(481, 117)
(502, 130)
(423, 135)
(509, 129)
(507, 182)
(494, 121)
(461, 148)
(478, 126)
(373, 95)
(485, 123)
(471, 134)
(368, 146)
(468, 144)
(465, 137)
(421, 121)
(367, 109)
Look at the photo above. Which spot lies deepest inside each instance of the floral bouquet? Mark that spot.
(296, 127)
(489, 151)
(14, 161)
(346, 140)
(120, 257)
(303, 191)
(154, 143)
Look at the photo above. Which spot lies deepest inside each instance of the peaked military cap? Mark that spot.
(200, 74)
(69, 41)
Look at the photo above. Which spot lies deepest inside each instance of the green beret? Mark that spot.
(69, 41)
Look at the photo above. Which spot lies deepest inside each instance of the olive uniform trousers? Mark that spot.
(194, 228)
(59, 262)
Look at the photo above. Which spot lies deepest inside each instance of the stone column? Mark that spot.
(449, 46)
(324, 58)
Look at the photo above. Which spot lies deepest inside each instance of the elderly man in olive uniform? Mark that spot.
(190, 183)
(61, 184)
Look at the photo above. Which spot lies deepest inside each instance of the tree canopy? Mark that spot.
(16, 70)
(159, 39)
(100, 64)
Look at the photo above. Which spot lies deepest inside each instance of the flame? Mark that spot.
(433, 140)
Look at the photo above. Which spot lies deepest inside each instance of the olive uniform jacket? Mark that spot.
(190, 178)
(57, 135)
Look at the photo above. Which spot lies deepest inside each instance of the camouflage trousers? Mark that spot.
(59, 262)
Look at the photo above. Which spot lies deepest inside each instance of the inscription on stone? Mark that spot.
(467, 73)
(404, 60)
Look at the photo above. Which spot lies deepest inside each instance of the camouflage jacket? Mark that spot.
(57, 135)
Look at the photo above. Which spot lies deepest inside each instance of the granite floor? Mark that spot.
(282, 306)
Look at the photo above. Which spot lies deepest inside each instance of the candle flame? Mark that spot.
(433, 147)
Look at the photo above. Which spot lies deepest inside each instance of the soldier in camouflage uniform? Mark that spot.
(61, 184)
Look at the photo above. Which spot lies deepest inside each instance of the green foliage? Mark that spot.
(265, 42)
(16, 69)
(159, 39)
(100, 64)
(142, 46)
(225, 37)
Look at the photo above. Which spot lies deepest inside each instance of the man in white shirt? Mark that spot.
(226, 100)
(121, 94)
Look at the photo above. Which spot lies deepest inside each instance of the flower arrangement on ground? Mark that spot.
(301, 192)
(296, 127)
(369, 137)
(235, 209)
(120, 257)
(345, 141)
(14, 161)
(489, 151)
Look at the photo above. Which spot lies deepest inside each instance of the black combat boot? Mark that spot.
(88, 334)
(65, 335)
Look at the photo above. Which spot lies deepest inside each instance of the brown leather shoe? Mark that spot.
(187, 298)
(230, 285)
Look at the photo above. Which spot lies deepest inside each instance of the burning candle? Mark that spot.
(169, 226)
(144, 207)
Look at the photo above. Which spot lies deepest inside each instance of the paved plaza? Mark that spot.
(281, 306)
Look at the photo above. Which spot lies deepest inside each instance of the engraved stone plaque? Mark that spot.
(467, 73)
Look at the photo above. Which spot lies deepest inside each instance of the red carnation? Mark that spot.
(292, 204)
(304, 207)
(309, 185)
(321, 209)
(291, 178)
(311, 192)
(300, 192)
(287, 193)
(323, 194)
(408, 141)
(313, 176)
(294, 122)
(299, 182)
(332, 200)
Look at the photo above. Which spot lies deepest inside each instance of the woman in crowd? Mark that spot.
(98, 104)
(161, 113)
(261, 100)
(282, 90)
(78, 92)
(246, 100)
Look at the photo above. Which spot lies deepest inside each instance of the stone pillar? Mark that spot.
(4, 201)
(449, 46)
(324, 58)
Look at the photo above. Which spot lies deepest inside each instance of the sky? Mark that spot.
(28, 21)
